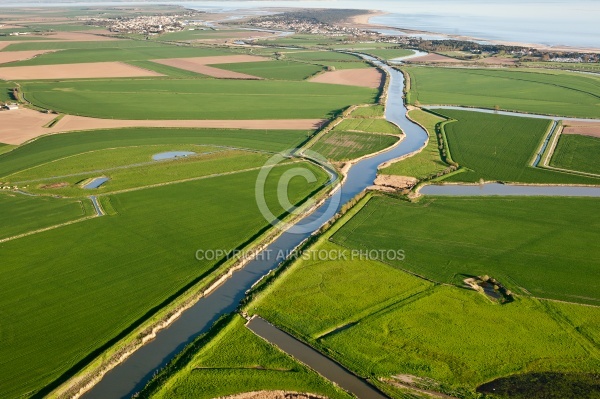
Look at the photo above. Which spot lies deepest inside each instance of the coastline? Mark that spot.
(364, 21)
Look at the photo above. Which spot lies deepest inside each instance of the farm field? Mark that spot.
(122, 54)
(341, 145)
(500, 148)
(50, 148)
(372, 111)
(74, 45)
(389, 54)
(5, 148)
(21, 214)
(278, 70)
(381, 322)
(75, 71)
(575, 152)
(370, 125)
(5, 91)
(134, 262)
(536, 91)
(259, 366)
(512, 239)
(426, 163)
(195, 99)
(368, 77)
(163, 172)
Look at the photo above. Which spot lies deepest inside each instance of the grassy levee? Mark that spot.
(578, 153)
(372, 125)
(428, 162)
(160, 230)
(380, 322)
(195, 98)
(229, 360)
(500, 148)
(535, 91)
(275, 70)
(105, 54)
(21, 214)
(525, 242)
(51, 148)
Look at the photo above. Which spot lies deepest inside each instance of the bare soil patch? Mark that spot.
(591, 129)
(369, 77)
(201, 65)
(434, 58)
(75, 71)
(274, 395)
(17, 127)
(5, 44)
(12, 56)
(398, 182)
(54, 185)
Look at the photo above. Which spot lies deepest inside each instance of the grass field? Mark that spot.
(21, 214)
(51, 148)
(500, 148)
(5, 148)
(575, 66)
(68, 45)
(5, 91)
(428, 161)
(322, 56)
(130, 264)
(380, 321)
(389, 54)
(196, 99)
(167, 70)
(372, 111)
(340, 145)
(155, 173)
(524, 242)
(575, 152)
(372, 125)
(541, 91)
(94, 54)
(279, 70)
(220, 367)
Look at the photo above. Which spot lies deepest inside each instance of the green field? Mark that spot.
(500, 148)
(576, 66)
(579, 153)
(167, 70)
(68, 45)
(280, 70)
(340, 145)
(126, 265)
(220, 367)
(134, 176)
(5, 148)
(51, 148)
(524, 242)
(373, 125)
(6, 91)
(426, 163)
(195, 99)
(322, 56)
(373, 111)
(380, 321)
(21, 214)
(389, 54)
(143, 53)
(541, 91)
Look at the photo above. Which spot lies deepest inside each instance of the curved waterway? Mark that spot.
(131, 375)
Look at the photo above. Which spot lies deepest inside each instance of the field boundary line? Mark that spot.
(56, 226)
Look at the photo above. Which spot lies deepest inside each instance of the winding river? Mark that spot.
(131, 375)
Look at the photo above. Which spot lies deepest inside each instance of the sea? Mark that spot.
(573, 23)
